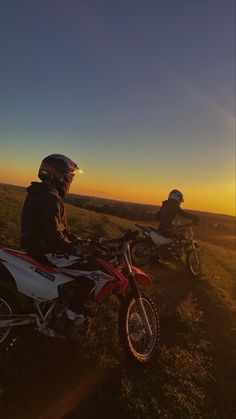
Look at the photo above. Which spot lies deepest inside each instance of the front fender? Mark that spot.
(141, 277)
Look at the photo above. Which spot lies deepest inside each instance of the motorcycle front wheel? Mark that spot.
(8, 307)
(138, 343)
(194, 263)
(140, 252)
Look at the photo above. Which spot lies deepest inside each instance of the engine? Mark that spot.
(172, 251)
(71, 316)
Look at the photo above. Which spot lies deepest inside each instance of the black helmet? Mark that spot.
(176, 195)
(59, 171)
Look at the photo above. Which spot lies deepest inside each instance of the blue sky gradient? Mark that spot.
(141, 94)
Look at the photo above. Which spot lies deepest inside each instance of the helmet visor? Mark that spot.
(68, 177)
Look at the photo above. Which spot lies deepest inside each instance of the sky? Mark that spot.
(141, 94)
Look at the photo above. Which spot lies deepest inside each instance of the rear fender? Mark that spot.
(141, 277)
(8, 283)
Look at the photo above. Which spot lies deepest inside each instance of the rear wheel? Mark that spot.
(140, 252)
(194, 263)
(139, 345)
(8, 306)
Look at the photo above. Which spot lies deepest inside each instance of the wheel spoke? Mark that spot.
(141, 341)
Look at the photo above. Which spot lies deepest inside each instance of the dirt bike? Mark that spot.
(45, 297)
(152, 245)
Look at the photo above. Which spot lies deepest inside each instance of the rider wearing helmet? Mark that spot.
(45, 235)
(168, 211)
(43, 221)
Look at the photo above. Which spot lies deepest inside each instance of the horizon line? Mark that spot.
(128, 202)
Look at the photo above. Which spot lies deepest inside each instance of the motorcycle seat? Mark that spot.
(159, 239)
(32, 261)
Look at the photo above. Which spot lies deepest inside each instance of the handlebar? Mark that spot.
(126, 237)
(187, 224)
(146, 228)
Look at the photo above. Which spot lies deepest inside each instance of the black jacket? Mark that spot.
(43, 221)
(167, 214)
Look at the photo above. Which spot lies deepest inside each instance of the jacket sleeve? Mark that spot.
(54, 228)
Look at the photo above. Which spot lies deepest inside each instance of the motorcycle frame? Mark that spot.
(118, 285)
(190, 245)
(39, 319)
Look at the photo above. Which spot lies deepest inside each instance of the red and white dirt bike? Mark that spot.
(44, 296)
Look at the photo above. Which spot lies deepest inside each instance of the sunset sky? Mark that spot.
(141, 94)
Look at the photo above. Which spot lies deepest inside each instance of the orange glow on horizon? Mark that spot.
(223, 206)
(203, 198)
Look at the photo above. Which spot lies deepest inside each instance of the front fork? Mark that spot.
(136, 292)
(194, 248)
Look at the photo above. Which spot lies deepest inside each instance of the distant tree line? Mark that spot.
(135, 212)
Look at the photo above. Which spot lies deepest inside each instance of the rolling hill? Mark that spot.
(194, 375)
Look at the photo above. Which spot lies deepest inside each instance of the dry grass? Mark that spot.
(220, 270)
(195, 326)
(189, 311)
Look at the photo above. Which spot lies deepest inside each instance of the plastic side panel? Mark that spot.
(32, 281)
(118, 283)
(23, 256)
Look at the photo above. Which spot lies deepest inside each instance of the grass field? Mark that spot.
(194, 375)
